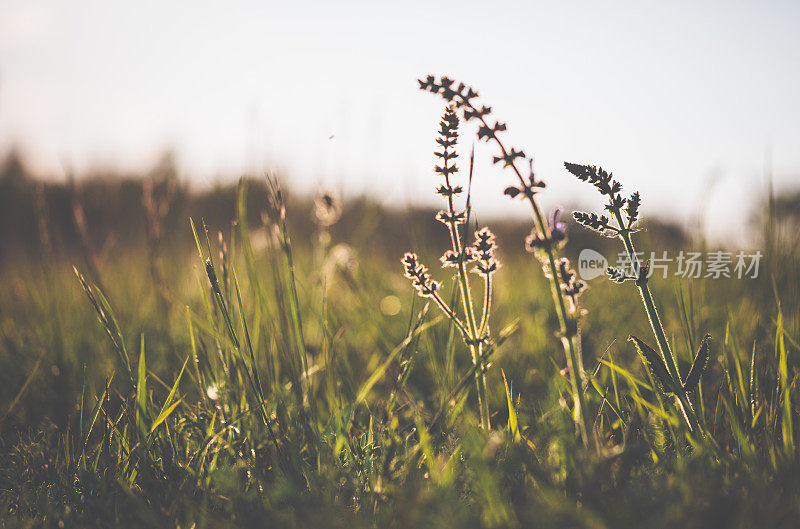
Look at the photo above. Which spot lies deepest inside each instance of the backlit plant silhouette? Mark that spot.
(473, 330)
(545, 239)
(663, 366)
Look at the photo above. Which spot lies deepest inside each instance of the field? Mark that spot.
(268, 365)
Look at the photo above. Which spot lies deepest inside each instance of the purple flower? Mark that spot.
(558, 230)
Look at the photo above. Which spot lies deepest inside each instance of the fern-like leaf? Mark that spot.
(632, 211)
(582, 172)
(655, 364)
(593, 221)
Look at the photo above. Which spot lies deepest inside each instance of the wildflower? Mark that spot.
(484, 247)
(593, 221)
(558, 230)
(451, 258)
(508, 158)
(485, 132)
(569, 283)
(451, 217)
(474, 331)
(534, 241)
(543, 240)
(419, 275)
(557, 236)
(448, 191)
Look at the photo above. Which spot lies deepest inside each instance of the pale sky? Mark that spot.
(669, 95)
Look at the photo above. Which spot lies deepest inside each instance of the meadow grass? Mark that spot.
(248, 378)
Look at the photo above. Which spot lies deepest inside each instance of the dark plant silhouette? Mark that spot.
(624, 212)
(545, 239)
(474, 330)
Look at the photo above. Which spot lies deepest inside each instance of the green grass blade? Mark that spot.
(165, 413)
(141, 392)
(787, 432)
(381, 370)
(24, 387)
(168, 406)
(513, 426)
(699, 365)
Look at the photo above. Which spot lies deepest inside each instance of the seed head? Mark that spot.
(327, 208)
(535, 242)
(457, 217)
(485, 132)
(526, 189)
(451, 258)
(593, 221)
(462, 96)
(570, 284)
(618, 276)
(212, 275)
(419, 275)
(632, 211)
(448, 137)
(604, 182)
(508, 158)
(484, 247)
(447, 191)
(458, 95)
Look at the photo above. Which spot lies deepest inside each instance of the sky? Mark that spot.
(691, 103)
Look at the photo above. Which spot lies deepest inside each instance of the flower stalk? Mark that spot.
(474, 331)
(544, 241)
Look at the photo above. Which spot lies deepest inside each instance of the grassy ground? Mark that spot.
(301, 383)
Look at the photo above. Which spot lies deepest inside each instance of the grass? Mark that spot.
(242, 377)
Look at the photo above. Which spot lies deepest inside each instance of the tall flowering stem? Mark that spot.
(474, 330)
(624, 214)
(544, 242)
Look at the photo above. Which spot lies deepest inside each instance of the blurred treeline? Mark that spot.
(91, 215)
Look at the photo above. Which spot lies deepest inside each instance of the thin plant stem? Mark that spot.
(473, 334)
(462, 96)
(474, 330)
(568, 335)
(663, 364)
(682, 398)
